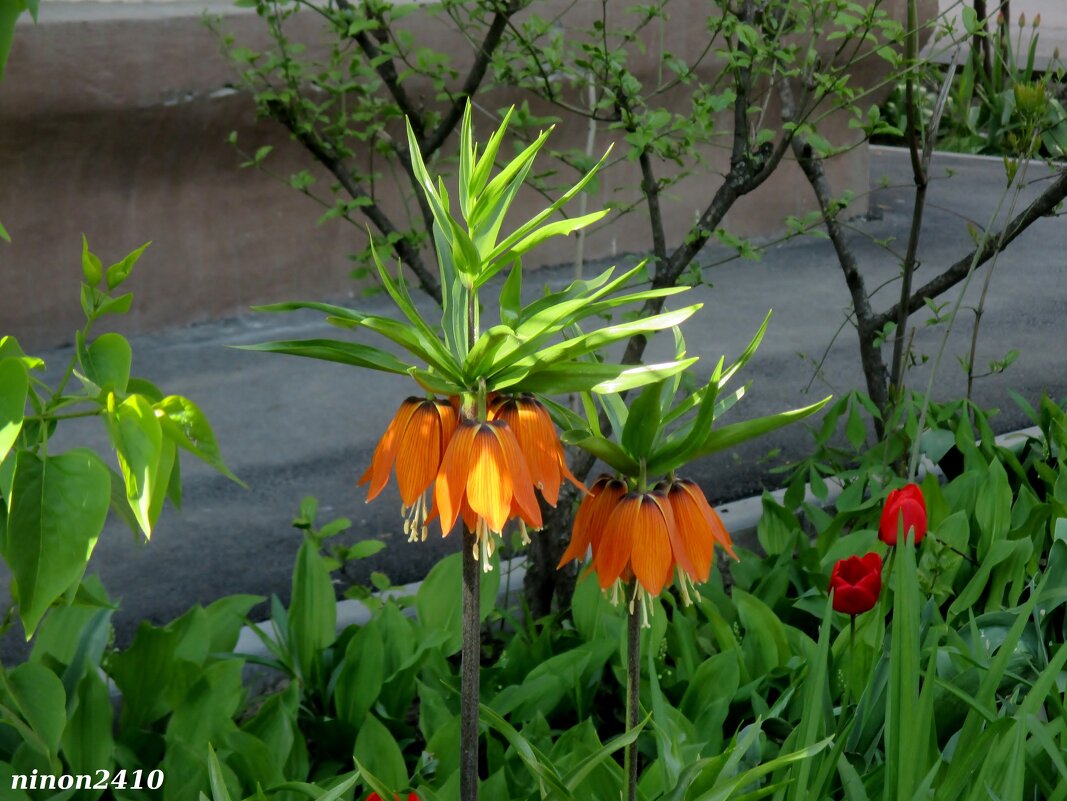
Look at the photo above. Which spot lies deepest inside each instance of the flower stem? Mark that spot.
(469, 690)
(851, 661)
(633, 691)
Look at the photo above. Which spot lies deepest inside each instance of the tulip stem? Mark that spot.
(469, 689)
(633, 690)
(851, 661)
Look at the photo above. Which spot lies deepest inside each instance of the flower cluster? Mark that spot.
(856, 582)
(648, 535)
(481, 471)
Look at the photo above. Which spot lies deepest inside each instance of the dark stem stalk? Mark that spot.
(633, 693)
(470, 693)
(469, 689)
(918, 168)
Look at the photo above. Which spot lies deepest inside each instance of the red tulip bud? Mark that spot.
(904, 509)
(856, 583)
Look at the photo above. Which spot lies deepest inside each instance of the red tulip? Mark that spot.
(904, 509)
(376, 797)
(856, 583)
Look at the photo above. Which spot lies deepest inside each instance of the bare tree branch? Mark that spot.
(1042, 206)
(405, 249)
(470, 85)
(811, 165)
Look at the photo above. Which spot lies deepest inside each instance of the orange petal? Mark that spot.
(488, 478)
(691, 536)
(593, 514)
(521, 416)
(449, 421)
(580, 530)
(521, 486)
(612, 556)
(418, 453)
(452, 477)
(718, 530)
(652, 560)
(385, 451)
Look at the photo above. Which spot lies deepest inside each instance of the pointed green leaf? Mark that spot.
(377, 748)
(642, 423)
(14, 388)
(120, 271)
(484, 167)
(37, 695)
(332, 350)
(106, 362)
(92, 269)
(747, 353)
(604, 449)
(186, 425)
(312, 609)
(736, 433)
(530, 226)
(57, 506)
(138, 440)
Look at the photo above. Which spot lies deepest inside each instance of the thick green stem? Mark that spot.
(633, 692)
(469, 690)
(851, 663)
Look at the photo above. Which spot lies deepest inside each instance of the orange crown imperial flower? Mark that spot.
(529, 420)
(415, 442)
(647, 535)
(593, 513)
(484, 475)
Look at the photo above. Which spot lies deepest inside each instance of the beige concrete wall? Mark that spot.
(113, 120)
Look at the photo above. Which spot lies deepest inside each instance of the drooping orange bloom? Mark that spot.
(593, 513)
(529, 420)
(484, 475)
(637, 539)
(698, 528)
(647, 535)
(415, 443)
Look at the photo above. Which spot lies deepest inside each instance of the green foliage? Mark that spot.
(951, 688)
(662, 430)
(53, 506)
(524, 353)
(1009, 108)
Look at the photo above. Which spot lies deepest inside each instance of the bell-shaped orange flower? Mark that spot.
(484, 475)
(647, 535)
(593, 513)
(529, 420)
(697, 529)
(637, 538)
(415, 443)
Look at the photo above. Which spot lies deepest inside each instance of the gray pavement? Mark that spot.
(291, 427)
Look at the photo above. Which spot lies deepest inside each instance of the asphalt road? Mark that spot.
(292, 427)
